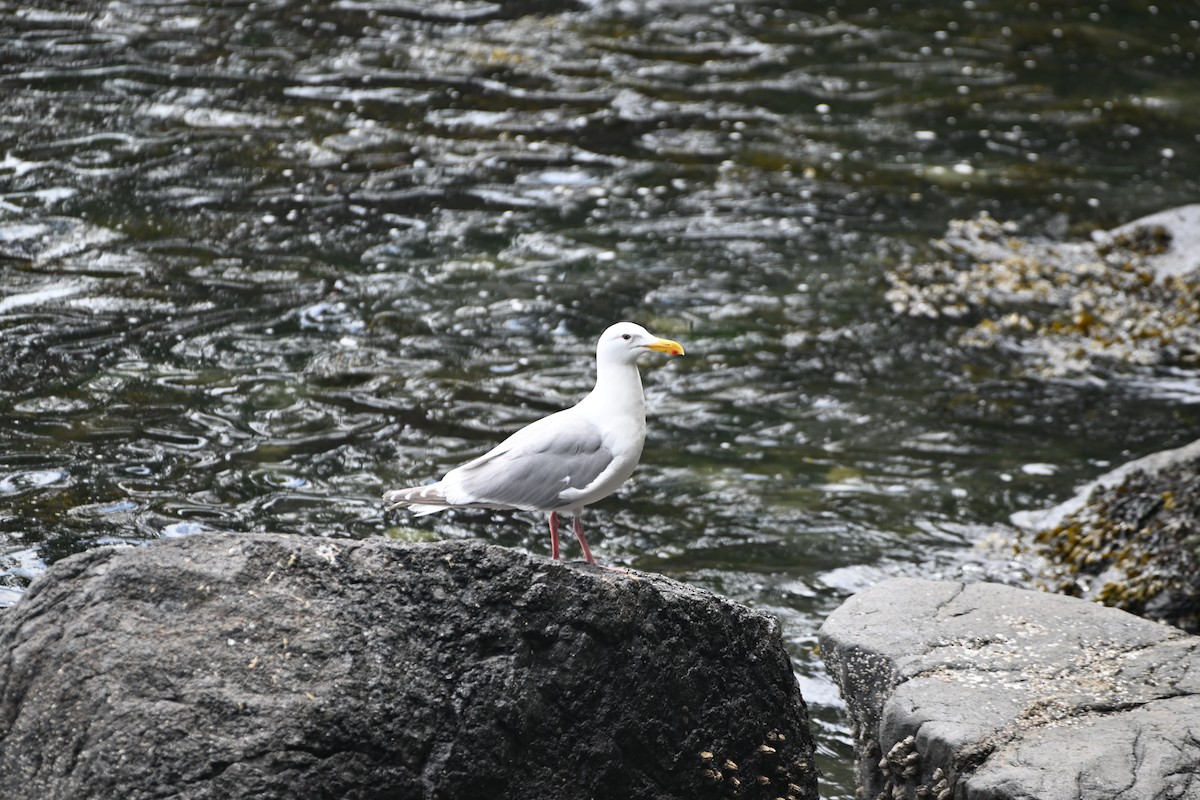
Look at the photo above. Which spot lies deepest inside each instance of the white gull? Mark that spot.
(563, 462)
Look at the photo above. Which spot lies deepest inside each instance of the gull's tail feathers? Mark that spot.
(420, 500)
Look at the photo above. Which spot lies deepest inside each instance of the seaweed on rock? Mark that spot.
(1134, 545)
(1065, 307)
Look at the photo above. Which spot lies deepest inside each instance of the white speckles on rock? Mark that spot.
(328, 552)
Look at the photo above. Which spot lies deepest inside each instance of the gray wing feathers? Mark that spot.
(530, 472)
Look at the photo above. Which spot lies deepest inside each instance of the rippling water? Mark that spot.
(264, 260)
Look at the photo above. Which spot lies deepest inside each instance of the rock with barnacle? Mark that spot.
(258, 666)
(979, 690)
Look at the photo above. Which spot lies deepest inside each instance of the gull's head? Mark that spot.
(625, 341)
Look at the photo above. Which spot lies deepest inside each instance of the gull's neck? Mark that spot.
(618, 389)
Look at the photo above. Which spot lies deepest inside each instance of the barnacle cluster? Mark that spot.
(766, 772)
(1065, 307)
(1135, 546)
(900, 770)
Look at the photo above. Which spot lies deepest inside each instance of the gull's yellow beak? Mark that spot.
(666, 346)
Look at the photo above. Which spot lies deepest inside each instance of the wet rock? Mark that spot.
(1170, 240)
(988, 691)
(1126, 298)
(1130, 539)
(239, 666)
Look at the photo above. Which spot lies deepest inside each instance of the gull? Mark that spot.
(563, 462)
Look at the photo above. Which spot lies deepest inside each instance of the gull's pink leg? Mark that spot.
(577, 525)
(554, 554)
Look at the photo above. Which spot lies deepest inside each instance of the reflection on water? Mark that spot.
(262, 261)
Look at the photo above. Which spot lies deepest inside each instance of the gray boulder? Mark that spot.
(987, 692)
(258, 666)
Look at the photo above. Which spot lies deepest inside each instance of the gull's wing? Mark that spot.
(531, 468)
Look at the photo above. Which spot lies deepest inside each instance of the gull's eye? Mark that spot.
(626, 336)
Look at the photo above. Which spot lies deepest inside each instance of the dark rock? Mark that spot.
(239, 666)
(981, 691)
(1130, 539)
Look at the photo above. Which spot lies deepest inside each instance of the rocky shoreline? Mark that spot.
(983, 691)
(246, 665)
(1064, 309)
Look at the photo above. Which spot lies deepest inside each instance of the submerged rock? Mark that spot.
(1130, 297)
(258, 666)
(1130, 539)
(976, 691)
